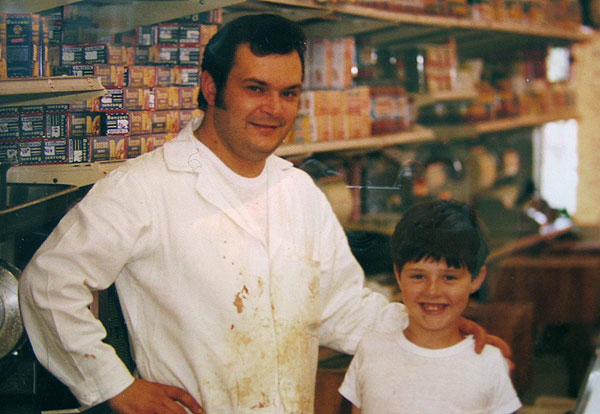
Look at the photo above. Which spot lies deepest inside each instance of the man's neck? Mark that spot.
(206, 134)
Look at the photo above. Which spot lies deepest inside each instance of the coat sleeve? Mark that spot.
(85, 252)
(349, 309)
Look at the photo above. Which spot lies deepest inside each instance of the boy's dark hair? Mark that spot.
(440, 230)
(266, 34)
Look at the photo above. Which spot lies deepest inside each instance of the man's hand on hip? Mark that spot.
(144, 397)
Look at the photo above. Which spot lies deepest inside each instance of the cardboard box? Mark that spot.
(55, 151)
(141, 76)
(164, 75)
(190, 55)
(168, 33)
(79, 150)
(111, 76)
(57, 124)
(9, 151)
(113, 100)
(115, 123)
(30, 151)
(10, 125)
(134, 146)
(138, 99)
(140, 122)
(187, 76)
(71, 55)
(189, 33)
(32, 125)
(165, 54)
(146, 35)
(93, 122)
(107, 148)
(167, 98)
(77, 123)
(188, 97)
(141, 55)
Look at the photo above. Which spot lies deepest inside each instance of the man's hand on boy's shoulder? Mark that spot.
(482, 338)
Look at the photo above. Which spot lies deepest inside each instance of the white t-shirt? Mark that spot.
(390, 374)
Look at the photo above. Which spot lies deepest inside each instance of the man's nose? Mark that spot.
(272, 103)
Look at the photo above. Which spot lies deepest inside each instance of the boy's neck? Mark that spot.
(435, 339)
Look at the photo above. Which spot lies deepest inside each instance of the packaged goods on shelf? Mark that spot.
(111, 75)
(57, 122)
(330, 63)
(112, 100)
(79, 150)
(108, 148)
(32, 121)
(30, 151)
(10, 126)
(9, 151)
(26, 45)
(114, 123)
(140, 122)
(55, 151)
(390, 109)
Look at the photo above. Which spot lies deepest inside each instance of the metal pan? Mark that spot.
(11, 324)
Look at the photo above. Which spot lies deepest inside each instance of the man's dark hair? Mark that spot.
(440, 230)
(266, 34)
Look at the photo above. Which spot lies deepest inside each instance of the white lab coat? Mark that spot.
(210, 305)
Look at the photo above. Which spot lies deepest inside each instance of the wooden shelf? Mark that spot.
(73, 174)
(423, 99)
(441, 22)
(473, 130)
(417, 134)
(53, 90)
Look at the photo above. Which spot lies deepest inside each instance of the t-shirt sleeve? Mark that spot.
(505, 399)
(350, 388)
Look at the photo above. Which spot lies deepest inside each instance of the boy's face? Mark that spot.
(435, 296)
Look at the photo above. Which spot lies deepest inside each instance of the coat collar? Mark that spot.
(181, 153)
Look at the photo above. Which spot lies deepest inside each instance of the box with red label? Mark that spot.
(57, 124)
(9, 151)
(207, 31)
(77, 123)
(108, 148)
(10, 126)
(146, 35)
(141, 55)
(187, 76)
(189, 33)
(79, 150)
(55, 151)
(30, 151)
(166, 98)
(32, 124)
(137, 98)
(71, 55)
(165, 54)
(134, 146)
(190, 55)
(113, 100)
(140, 122)
(115, 123)
(93, 121)
(111, 76)
(164, 75)
(188, 97)
(141, 76)
(168, 33)
(165, 121)
(104, 53)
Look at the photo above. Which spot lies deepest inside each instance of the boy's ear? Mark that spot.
(208, 88)
(478, 281)
(397, 273)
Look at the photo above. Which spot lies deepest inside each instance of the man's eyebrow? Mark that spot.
(263, 83)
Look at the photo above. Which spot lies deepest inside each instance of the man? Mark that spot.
(230, 265)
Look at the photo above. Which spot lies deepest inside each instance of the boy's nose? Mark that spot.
(432, 287)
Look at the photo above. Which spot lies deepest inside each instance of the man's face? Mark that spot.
(260, 104)
(435, 296)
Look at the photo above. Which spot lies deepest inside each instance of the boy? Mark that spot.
(438, 251)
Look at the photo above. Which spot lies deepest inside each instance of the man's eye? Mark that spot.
(290, 94)
(255, 88)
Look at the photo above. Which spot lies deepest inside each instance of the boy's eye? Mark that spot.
(450, 277)
(417, 276)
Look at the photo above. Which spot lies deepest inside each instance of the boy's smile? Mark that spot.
(435, 296)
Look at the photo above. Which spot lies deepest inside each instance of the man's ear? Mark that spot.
(478, 281)
(208, 88)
